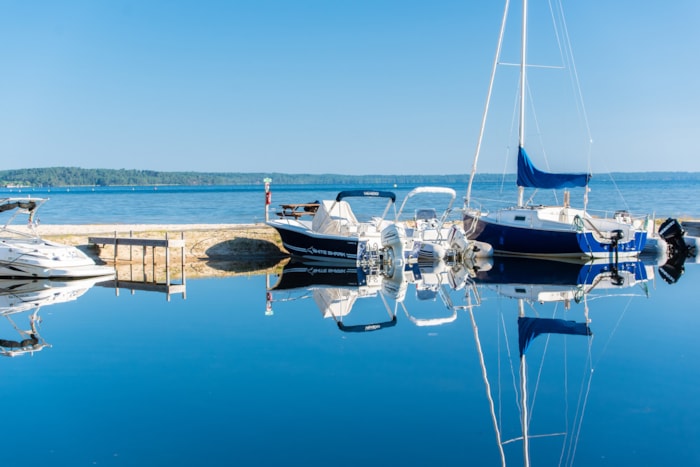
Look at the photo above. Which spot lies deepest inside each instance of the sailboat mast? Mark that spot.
(521, 126)
(523, 53)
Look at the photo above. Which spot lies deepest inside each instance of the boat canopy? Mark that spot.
(366, 194)
(334, 218)
(530, 176)
(529, 328)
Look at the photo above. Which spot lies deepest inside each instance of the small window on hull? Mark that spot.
(519, 218)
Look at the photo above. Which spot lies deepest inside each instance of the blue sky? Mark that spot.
(312, 86)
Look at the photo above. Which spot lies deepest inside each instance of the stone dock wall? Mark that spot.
(210, 249)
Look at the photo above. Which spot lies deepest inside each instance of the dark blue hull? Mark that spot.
(505, 239)
(325, 248)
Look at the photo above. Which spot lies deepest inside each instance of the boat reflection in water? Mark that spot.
(26, 297)
(335, 290)
(539, 292)
(545, 307)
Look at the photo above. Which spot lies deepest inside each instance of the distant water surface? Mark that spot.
(246, 204)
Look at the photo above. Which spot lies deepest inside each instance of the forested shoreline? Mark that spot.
(74, 176)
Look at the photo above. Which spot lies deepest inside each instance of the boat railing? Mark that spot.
(621, 214)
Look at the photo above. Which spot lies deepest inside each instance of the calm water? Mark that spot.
(229, 375)
(245, 204)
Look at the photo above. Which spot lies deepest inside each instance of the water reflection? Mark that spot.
(544, 296)
(335, 291)
(540, 280)
(159, 382)
(22, 299)
(534, 316)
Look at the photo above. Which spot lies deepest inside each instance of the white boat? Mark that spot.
(23, 253)
(430, 234)
(333, 233)
(555, 231)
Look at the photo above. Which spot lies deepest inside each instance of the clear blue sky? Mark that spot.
(322, 86)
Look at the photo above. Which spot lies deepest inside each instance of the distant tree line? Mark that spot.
(74, 176)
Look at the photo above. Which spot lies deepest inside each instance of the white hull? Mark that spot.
(39, 258)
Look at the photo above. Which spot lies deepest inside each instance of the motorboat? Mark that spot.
(430, 234)
(23, 253)
(329, 231)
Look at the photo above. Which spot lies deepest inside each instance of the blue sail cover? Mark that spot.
(530, 176)
(529, 328)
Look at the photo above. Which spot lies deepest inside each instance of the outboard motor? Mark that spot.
(672, 232)
(677, 250)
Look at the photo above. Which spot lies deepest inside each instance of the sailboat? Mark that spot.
(551, 231)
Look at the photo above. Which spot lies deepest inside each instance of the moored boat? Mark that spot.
(23, 253)
(431, 235)
(549, 231)
(329, 231)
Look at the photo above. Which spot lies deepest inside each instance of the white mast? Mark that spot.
(521, 126)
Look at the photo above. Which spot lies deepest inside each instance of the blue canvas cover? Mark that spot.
(529, 328)
(531, 177)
